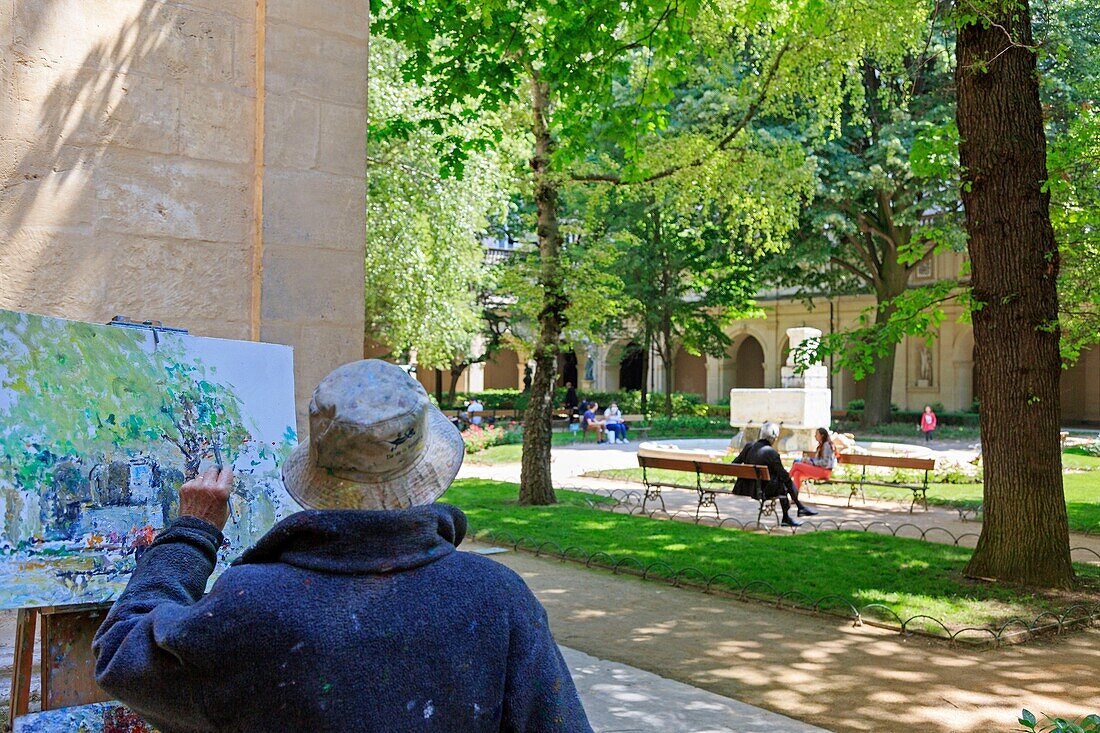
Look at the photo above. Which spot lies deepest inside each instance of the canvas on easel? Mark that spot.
(99, 427)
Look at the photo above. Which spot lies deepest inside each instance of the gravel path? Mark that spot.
(816, 669)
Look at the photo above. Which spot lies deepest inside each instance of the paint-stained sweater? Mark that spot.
(335, 621)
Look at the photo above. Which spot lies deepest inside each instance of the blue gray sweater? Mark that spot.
(335, 621)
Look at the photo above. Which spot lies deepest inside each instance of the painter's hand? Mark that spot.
(207, 496)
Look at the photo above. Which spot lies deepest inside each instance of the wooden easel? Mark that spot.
(67, 666)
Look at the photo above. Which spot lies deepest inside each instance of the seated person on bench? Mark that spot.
(763, 453)
(820, 465)
(613, 423)
(590, 422)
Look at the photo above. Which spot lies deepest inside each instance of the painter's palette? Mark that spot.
(99, 426)
(100, 717)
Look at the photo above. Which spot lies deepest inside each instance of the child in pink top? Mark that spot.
(928, 423)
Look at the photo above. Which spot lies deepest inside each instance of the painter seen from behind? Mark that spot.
(357, 614)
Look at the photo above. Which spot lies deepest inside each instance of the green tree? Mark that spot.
(683, 279)
(425, 265)
(1074, 186)
(562, 61)
(1069, 74)
(887, 202)
(906, 172)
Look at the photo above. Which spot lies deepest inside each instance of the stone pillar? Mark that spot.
(601, 357)
(657, 375)
(964, 390)
(815, 376)
(475, 377)
(314, 94)
(127, 144)
(714, 380)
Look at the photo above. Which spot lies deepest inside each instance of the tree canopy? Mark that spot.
(602, 72)
(424, 258)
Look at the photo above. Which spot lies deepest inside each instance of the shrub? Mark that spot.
(856, 405)
(690, 425)
(1088, 724)
(496, 399)
(1088, 449)
(968, 419)
(479, 437)
(630, 402)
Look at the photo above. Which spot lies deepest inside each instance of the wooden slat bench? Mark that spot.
(632, 422)
(634, 425)
(707, 494)
(920, 491)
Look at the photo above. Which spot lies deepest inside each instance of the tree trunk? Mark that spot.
(439, 387)
(880, 382)
(452, 388)
(667, 360)
(536, 486)
(645, 372)
(1014, 260)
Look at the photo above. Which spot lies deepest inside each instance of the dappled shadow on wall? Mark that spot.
(92, 147)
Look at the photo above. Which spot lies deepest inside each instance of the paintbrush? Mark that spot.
(218, 465)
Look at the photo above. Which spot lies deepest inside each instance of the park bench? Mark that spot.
(920, 490)
(633, 422)
(707, 494)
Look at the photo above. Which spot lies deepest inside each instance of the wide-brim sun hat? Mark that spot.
(376, 442)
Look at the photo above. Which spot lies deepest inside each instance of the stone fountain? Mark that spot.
(800, 406)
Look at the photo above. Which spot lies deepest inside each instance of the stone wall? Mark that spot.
(314, 190)
(152, 164)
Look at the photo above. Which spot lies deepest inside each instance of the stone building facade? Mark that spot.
(925, 372)
(197, 162)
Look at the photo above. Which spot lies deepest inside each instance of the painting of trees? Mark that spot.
(99, 425)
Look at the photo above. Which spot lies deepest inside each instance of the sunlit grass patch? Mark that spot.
(907, 576)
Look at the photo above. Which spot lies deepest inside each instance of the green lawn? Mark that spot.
(908, 576)
(1081, 483)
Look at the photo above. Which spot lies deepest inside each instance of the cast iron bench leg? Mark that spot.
(653, 492)
(923, 489)
(706, 498)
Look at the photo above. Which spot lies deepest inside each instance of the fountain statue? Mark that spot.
(803, 404)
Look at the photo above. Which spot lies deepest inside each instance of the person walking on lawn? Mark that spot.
(928, 423)
(357, 614)
(763, 453)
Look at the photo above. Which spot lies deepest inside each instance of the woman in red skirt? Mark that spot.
(819, 466)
